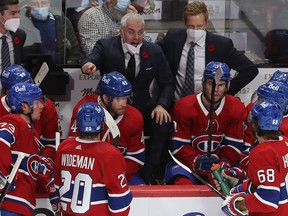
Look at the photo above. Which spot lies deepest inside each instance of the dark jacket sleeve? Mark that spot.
(164, 80)
(224, 51)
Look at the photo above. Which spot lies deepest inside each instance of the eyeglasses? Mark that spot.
(132, 33)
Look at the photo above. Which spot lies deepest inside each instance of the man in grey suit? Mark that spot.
(148, 63)
(207, 47)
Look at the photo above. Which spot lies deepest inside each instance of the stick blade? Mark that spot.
(112, 125)
(218, 75)
(41, 74)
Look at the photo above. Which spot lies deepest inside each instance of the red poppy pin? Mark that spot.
(144, 55)
(16, 40)
(211, 48)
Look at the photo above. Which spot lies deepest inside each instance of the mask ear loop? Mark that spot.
(3, 23)
(122, 35)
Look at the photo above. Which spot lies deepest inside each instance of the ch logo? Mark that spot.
(32, 166)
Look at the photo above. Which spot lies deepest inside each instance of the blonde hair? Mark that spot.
(194, 8)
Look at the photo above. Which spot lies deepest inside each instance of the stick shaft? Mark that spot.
(20, 157)
(197, 176)
(211, 112)
(57, 140)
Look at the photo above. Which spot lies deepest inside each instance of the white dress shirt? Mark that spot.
(199, 66)
(127, 58)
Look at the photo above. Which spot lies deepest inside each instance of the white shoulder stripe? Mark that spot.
(119, 195)
(265, 201)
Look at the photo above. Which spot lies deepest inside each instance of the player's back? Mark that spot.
(268, 164)
(94, 179)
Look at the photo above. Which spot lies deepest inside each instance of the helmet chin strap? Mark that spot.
(107, 106)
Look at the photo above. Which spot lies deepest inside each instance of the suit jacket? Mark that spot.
(108, 56)
(217, 48)
(19, 38)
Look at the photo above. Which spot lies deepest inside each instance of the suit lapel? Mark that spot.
(16, 47)
(144, 50)
(179, 47)
(208, 48)
(118, 57)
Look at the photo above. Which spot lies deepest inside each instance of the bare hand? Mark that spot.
(118, 32)
(132, 9)
(161, 114)
(89, 68)
(92, 4)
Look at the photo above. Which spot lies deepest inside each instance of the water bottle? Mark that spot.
(217, 173)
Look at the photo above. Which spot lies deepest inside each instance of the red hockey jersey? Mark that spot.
(90, 176)
(17, 136)
(131, 142)
(268, 171)
(46, 126)
(191, 129)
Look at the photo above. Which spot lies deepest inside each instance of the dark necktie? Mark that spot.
(130, 70)
(188, 87)
(5, 55)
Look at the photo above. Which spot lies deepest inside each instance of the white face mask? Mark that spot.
(195, 35)
(132, 49)
(12, 24)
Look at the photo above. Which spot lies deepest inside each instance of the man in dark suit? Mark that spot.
(15, 38)
(207, 47)
(119, 54)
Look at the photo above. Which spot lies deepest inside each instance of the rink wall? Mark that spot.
(168, 200)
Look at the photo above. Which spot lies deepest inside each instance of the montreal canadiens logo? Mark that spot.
(201, 142)
(32, 166)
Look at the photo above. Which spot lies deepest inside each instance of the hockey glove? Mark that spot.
(46, 165)
(202, 164)
(230, 203)
(245, 187)
(53, 194)
(234, 175)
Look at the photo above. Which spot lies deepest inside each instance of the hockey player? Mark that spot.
(190, 137)
(272, 91)
(17, 134)
(115, 90)
(266, 193)
(90, 173)
(48, 124)
(282, 77)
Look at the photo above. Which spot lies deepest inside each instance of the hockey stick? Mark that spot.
(197, 176)
(215, 80)
(57, 140)
(111, 124)
(41, 74)
(21, 155)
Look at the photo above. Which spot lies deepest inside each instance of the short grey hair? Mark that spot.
(133, 17)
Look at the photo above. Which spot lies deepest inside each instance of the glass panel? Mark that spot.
(259, 27)
(45, 25)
